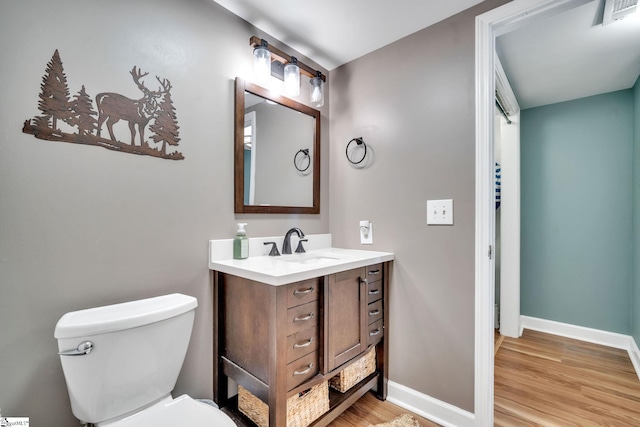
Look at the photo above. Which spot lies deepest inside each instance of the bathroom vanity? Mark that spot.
(285, 324)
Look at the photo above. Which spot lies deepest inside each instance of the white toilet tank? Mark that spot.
(120, 358)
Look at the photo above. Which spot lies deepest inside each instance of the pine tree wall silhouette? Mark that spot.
(83, 113)
(166, 126)
(54, 97)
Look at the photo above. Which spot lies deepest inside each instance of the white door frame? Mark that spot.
(488, 26)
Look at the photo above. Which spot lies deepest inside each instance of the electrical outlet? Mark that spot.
(366, 233)
(440, 212)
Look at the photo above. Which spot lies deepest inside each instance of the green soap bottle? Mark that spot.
(241, 243)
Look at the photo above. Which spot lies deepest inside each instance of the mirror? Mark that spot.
(277, 153)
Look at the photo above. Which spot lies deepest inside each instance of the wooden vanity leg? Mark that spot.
(278, 351)
(382, 350)
(220, 381)
(381, 362)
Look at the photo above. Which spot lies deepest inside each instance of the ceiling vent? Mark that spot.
(615, 10)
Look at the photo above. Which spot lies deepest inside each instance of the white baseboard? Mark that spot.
(596, 336)
(428, 407)
(634, 355)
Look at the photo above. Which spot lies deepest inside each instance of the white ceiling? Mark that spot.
(334, 32)
(571, 55)
(568, 56)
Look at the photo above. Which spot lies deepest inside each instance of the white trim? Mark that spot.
(485, 222)
(634, 355)
(488, 25)
(428, 407)
(510, 227)
(595, 336)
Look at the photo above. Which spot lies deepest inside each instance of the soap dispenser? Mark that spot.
(241, 243)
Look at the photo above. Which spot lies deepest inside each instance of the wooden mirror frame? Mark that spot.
(240, 87)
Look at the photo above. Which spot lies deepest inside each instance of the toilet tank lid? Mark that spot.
(117, 317)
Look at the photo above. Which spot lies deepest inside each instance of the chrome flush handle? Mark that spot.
(82, 349)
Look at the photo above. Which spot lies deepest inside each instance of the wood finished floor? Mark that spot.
(546, 380)
(369, 410)
(542, 380)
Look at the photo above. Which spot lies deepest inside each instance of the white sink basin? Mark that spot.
(308, 258)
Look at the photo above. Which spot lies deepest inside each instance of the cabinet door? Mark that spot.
(345, 305)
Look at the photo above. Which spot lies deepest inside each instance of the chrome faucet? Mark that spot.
(286, 245)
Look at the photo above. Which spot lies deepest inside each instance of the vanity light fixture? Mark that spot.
(286, 68)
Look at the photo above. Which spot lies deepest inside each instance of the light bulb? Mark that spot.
(262, 64)
(317, 92)
(292, 78)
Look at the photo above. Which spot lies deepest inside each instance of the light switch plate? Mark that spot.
(440, 212)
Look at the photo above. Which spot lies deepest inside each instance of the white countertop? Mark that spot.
(285, 269)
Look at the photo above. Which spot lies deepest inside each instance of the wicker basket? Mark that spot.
(302, 408)
(356, 372)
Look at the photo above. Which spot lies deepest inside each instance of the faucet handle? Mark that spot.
(274, 248)
(300, 248)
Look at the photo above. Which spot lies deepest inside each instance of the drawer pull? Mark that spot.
(373, 272)
(303, 318)
(374, 312)
(303, 344)
(305, 371)
(375, 332)
(303, 291)
(374, 291)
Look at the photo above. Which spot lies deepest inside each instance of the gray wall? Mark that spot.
(83, 226)
(577, 227)
(413, 103)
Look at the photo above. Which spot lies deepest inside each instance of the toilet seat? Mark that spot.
(182, 411)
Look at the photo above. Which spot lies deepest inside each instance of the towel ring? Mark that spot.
(305, 152)
(359, 141)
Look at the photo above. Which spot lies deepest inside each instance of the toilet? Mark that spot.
(121, 363)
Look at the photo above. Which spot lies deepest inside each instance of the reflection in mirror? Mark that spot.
(270, 133)
(249, 161)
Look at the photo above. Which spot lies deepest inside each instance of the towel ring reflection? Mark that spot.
(305, 152)
(359, 141)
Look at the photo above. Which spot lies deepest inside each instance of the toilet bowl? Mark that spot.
(121, 362)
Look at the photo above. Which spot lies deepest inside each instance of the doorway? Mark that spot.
(488, 26)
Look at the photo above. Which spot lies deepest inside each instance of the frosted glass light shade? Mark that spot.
(292, 78)
(317, 92)
(262, 65)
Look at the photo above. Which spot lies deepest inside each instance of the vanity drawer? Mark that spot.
(302, 292)
(301, 370)
(374, 291)
(302, 317)
(374, 273)
(374, 312)
(302, 343)
(375, 332)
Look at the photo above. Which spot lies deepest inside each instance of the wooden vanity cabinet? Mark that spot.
(276, 341)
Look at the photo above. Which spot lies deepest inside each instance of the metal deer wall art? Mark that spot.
(154, 110)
